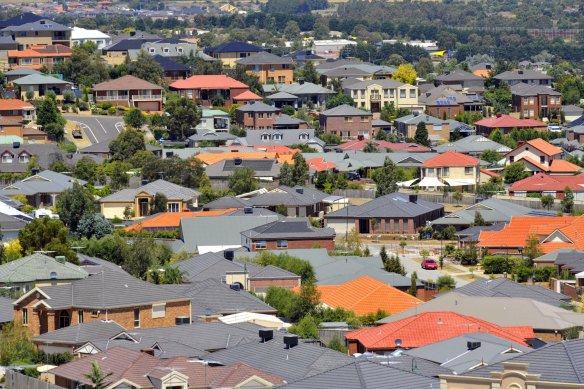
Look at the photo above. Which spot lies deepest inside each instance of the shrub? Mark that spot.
(539, 274)
(497, 264)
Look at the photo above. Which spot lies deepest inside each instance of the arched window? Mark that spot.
(277, 136)
(64, 319)
(265, 136)
(303, 136)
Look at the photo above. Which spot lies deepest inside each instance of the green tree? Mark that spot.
(310, 74)
(94, 225)
(531, 250)
(413, 290)
(424, 67)
(159, 204)
(514, 172)
(405, 73)
(282, 299)
(73, 204)
(45, 234)
(353, 240)
(340, 99)
(299, 170)
(370, 148)
(143, 254)
(500, 97)
(496, 136)
(98, 379)
(337, 344)
(547, 201)
(183, 116)
(490, 156)
(15, 345)
(287, 262)
(126, 144)
(291, 31)
(135, 118)
(568, 200)
(457, 196)
(307, 303)
(146, 68)
(243, 180)
(50, 118)
(306, 328)
(84, 67)
(445, 283)
(286, 175)
(385, 178)
(86, 169)
(421, 136)
(478, 219)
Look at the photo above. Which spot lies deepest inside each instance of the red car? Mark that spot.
(429, 264)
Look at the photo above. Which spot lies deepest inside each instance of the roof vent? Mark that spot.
(300, 190)
(16, 145)
(301, 81)
(416, 113)
(413, 198)
(473, 345)
(35, 172)
(60, 259)
(236, 287)
(266, 335)
(53, 275)
(228, 254)
(169, 154)
(290, 341)
(498, 114)
(237, 161)
(520, 72)
(143, 182)
(248, 210)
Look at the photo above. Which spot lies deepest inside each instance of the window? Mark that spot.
(430, 172)
(348, 119)
(23, 158)
(242, 55)
(80, 316)
(166, 50)
(525, 112)
(542, 159)
(362, 93)
(158, 311)
(282, 244)
(26, 61)
(270, 80)
(25, 316)
(412, 93)
(136, 318)
(392, 93)
(446, 171)
(173, 207)
(277, 137)
(260, 115)
(402, 94)
(512, 159)
(260, 245)
(152, 50)
(250, 115)
(468, 170)
(269, 115)
(303, 136)
(7, 158)
(64, 319)
(364, 119)
(526, 100)
(272, 68)
(179, 50)
(281, 79)
(265, 137)
(94, 313)
(355, 93)
(386, 93)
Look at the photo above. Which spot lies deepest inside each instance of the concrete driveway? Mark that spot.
(98, 128)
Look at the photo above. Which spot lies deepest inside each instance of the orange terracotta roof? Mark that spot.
(563, 166)
(538, 165)
(41, 52)
(451, 159)
(431, 327)
(482, 73)
(211, 158)
(489, 173)
(506, 121)
(367, 295)
(14, 104)
(246, 95)
(169, 220)
(543, 182)
(220, 81)
(543, 146)
(281, 150)
(320, 165)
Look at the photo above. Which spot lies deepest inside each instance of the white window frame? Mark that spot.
(282, 244)
(158, 311)
(137, 321)
(260, 245)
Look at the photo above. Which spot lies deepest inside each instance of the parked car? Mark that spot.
(353, 176)
(429, 264)
(555, 127)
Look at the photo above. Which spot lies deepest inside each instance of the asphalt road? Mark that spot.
(98, 128)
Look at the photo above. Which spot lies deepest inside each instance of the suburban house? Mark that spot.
(506, 123)
(342, 69)
(347, 122)
(139, 200)
(546, 184)
(298, 95)
(460, 78)
(173, 71)
(264, 169)
(473, 145)
(453, 169)
(214, 120)
(170, 48)
(260, 116)
(285, 234)
(17, 110)
(11, 75)
(80, 36)
(116, 53)
(269, 68)
(130, 91)
(206, 138)
(37, 270)
(140, 369)
(426, 328)
(445, 102)
(299, 201)
(366, 295)
(108, 295)
(248, 275)
(19, 20)
(536, 101)
(576, 133)
(169, 221)
(38, 85)
(395, 213)
(281, 137)
(231, 52)
(39, 56)
(102, 151)
(40, 32)
(42, 188)
(204, 89)
(373, 95)
(438, 130)
(15, 156)
(540, 156)
(530, 77)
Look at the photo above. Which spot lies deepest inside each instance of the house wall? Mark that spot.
(269, 74)
(454, 172)
(230, 59)
(339, 125)
(448, 111)
(58, 89)
(115, 57)
(574, 136)
(43, 38)
(11, 130)
(409, 130)
(528, 151)
(328, 244)
(256, 120)
(112, 210)
(266, 283)
(363, 97)
(534, 107)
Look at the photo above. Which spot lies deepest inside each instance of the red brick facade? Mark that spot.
(444, 111)
(256, 120)
(536, 106)
(349, 127)
(328, 244)
(269, 282)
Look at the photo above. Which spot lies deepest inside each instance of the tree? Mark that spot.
(291, 31)
(50, 118)
(146, 68)
(405, 73)
(287, 262)
(353, 240)
(15, 345)
(445, 283)
(73, 204)
(340, 99)
(490, 156)
(97, 377)
(531, 250)
(183, 116)
(395, 60)
(514, 172)
(337, 344)
(424, 67)
(85, 65)
(386, 178)
(243, 180)
(286, 175)
(126, 144)
(142, 255)
(86, 169)
(500, 97)
(306, 328)
(94, 225)
(478, 219)
(413, 290)
(568, 200)
(457, 196)
(403, 245)
(309, 73)
(547, 201)
(307, 303)
(370, 148)
(299, 170)
(159, 204)
(421, 136)
(282, 299)
(393, 265)
(424, 253)
(135, 118)
(45, 234)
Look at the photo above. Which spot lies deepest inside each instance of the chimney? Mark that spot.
(473, 345)
(498, 114)
(228, 254)
(35, 172)
(149, 351)
(143, 182)
(290, 341)
(266, 335)
(413, 198)
(16, 145)
(132, 33)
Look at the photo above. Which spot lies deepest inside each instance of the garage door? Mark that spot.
(148, 105)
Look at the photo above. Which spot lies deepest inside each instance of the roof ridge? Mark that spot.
(572, 362)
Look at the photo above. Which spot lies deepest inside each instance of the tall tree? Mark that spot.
(299, 170)
(135, 118)
(478, 219)
(568, 200)
(126, 144)
(159, 204)
(146, 68)
(406, 74)
(421, 136)
(45, 234)
(73, 204)
(183, 116)
(50, 118)
(310, 74)
(84, 66)
(286, 175)
(243, 180)
(386, 178)
(413, 290)
(94, 225)
(339, 99)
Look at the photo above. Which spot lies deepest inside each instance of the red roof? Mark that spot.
(489, 173)
(543, 182)
(320, 165)
(543, 146)
(382, 145)
(506, 121)
(220, 81)
(245, 96)
(170, 220)
(451, 159)
(431, 327)
(14, 104)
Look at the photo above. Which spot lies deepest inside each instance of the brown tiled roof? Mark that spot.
(125, 83)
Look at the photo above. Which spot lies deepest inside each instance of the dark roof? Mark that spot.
(524, 74)
(81, 333)
(257, 107)
(6, 310)
(364, 374)
(234, 47)
(301, 361)
(38, 25)
(577, 122)
(24, 18)
(202, 135)
(264, 58)
(130, 44)
(523, 89)
(391, 205)
(291, 228)
(227, 202)
(170, 66)
(458, 75)
(555, 362)
(285, 195)
(345, 110)
(504, 287)
(261, 167)
(94, 265)
(11, 223)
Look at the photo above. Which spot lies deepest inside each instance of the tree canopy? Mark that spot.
(126, 145)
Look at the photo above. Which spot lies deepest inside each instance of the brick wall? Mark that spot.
(450, 111)
(266, 283)
(244, 120)
(337, 124)
(328, 244)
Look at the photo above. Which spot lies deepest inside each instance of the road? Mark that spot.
(98, 128)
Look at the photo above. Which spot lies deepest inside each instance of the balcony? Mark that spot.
(112, 98)
(146, 97)
(376, 97)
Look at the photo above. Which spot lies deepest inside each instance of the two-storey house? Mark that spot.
(229, 53)
(539, 156)
(461, 78)
(535, 101)
(530, 77)
(39, 56)
(438, 130)
(209, 89)
(446, 102)
(40, 32)
(373, 95)
(17, 110)
(269, 68)
(452, 169)
(347, 122)
(130, 91)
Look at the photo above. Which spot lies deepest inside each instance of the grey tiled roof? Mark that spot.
(288, 137)
(227, 202)
(11, 223)
(363, 374)
(457, 75)
(345, 110)
(282, 96)
(46, 154)
(39, 267)
(264, 58)
(94, 265)
(298, 362)
(522, 75)
(297, 89)
(6, 310)
(474, 144)
(522, 89)
(556, 362)
(170, 190)
(39, 79)
(39, 25)
(46, 181)
(257, 107)
(285, 195)
(21, 72)
(81, 333)
(416, 118)
(296, 228)
(261, 167)
(203, 135)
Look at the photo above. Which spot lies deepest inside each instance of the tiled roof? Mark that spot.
(126, 83)
(366, 295)
(563, 166)
(543, 182)
(6, 310)
(430, 327)
(42, 51)
(170, 190)
(457, 75)
(211, 158)
(345, 110)
(383, 145)
(81, 333)
(291, 229)
(506, 121)
(38, 25)
(264, 58)
(39, 79)
(234, 47)
(39, 267)
(540, 145)
(257, 107)
(169, 220)
(169, 65)
(220, 81)
(320, 165)
(7, 104)
(522, 74)
(245, 96)
(451, 159)
(523, 89)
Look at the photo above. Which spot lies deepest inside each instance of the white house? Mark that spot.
(82, 35)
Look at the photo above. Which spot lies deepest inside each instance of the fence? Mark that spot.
(16, 380)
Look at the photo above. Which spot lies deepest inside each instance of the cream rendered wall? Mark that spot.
(111, 210)
(375, 89)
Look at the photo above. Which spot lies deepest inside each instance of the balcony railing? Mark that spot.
(111, 98)
(146, 97)
(375, 97)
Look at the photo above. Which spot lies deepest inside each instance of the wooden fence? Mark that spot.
(16, 380)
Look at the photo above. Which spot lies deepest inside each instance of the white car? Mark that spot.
(554, 128)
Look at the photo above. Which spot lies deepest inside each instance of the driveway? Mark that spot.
(98, 128)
